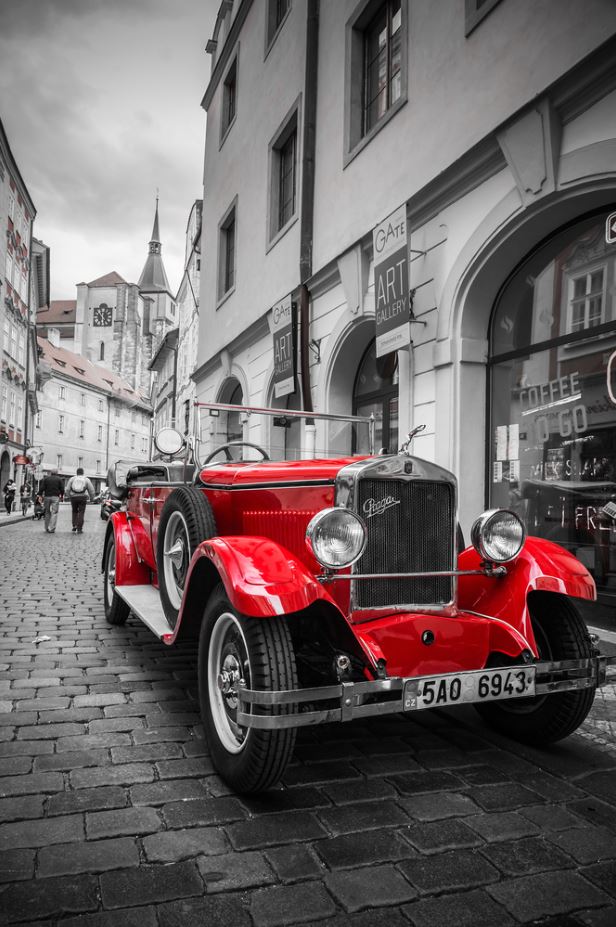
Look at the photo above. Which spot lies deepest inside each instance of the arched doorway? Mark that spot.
(375, 392)
(552, 381)
(5, 468)
(285, 441)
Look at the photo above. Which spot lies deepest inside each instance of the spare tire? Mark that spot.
(185, 521)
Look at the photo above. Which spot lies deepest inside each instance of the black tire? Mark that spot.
(250, 760)
(561, 634)
(116, 609)
(187, 520)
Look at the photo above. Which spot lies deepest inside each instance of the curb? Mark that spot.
(14, 521)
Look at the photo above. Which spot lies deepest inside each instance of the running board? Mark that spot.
(144, 602)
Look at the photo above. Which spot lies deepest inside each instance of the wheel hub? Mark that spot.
(176, 553)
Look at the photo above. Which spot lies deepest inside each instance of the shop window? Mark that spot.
(376, 38)
(553, 396)
(376, 393)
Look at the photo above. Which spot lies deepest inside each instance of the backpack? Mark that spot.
(78, 486)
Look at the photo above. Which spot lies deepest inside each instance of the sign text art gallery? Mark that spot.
(391, 283)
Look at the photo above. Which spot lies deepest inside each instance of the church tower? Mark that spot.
(154, 288)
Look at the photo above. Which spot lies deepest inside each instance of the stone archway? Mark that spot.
(5, 468)
(339, 379)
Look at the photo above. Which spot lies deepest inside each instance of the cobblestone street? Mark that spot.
(111, 814)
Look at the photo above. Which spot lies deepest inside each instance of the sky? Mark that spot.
(101, 104)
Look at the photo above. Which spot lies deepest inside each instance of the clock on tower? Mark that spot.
(102, 316)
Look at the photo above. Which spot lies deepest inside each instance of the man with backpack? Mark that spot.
(78, 489)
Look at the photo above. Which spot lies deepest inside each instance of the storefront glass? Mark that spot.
(376, 393)
(553, 396)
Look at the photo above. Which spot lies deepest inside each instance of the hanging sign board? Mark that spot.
(283, 329)
(391, 283)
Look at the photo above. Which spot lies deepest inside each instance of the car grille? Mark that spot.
(411, 527)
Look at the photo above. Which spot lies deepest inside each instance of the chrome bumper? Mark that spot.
(385, 696)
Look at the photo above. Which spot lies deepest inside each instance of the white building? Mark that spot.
(88, 416)
(187, 302)
(24, 281)
(490, 129)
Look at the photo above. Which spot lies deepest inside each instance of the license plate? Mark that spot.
(474, 686)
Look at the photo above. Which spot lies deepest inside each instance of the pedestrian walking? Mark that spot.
(9, 495)
(78, 489)
(25, 497)
(52, 490)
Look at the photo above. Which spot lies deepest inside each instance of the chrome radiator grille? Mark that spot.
(411, 529)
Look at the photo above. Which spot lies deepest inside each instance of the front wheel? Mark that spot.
(561, 634)
(116, 609)
(259, 652)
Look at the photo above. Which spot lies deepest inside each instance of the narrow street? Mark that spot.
(110, 813)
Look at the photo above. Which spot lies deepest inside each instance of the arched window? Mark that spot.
(376, 392)
(101, 351)
(552, 432)
(234, 425)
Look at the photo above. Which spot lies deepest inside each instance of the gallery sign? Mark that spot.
(284, 329)
(391, 283)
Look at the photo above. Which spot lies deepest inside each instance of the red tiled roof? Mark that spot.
(111, 279)
(84, 371)
(58, 311)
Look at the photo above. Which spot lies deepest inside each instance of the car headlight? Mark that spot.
(498, 535)
(336, 537)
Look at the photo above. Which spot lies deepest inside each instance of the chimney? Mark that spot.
(53, 336)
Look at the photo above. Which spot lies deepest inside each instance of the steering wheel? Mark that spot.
(227, 452)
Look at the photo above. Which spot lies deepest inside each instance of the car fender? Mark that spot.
(541, 566)
(261, 578)
(130, 570)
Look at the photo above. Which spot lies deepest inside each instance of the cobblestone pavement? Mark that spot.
(111, 814)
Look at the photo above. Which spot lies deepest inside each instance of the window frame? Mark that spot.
(229, 219)
(288, 128)
(227, 121)
(474, 14)
(355, 139)
(273, 28)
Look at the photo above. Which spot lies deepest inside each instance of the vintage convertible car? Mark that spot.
(324, 589)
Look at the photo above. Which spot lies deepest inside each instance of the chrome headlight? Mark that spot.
(498, 535)
(337, 537)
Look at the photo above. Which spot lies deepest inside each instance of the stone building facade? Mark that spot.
(491, 129)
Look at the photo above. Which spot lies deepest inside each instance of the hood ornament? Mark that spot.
(406, 447)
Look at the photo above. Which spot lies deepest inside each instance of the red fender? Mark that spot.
(261, 578)
(541, 566)
(130, 571)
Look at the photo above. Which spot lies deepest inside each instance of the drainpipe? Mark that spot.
(307, 196)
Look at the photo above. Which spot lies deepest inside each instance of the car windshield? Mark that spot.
(283, 434)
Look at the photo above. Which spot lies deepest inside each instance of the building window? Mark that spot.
(376, 78)
(376, 393)
(475, 11)
(101, 351)
(61, 424)
(20, 413)
(283, 183)
(116, 439)
(117, 411)
(276, 14)
(59, 458)
(12, 405)
(100, 405)
(5, 399)
(83, 399)
(21, 347)
(100, 432)
(61, 392)
(553, 396)
(38, 419)
(226, 266)
(132, 442)
(98, 466)
(82, 427)
(229, 99)
(80, 461)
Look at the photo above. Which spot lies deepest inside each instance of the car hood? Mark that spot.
(247, 473)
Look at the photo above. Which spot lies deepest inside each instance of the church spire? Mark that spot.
(153, 277)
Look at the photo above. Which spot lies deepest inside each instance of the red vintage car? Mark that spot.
(329, 589)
